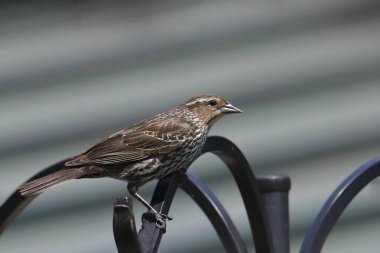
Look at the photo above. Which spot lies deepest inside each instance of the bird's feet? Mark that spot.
(161, 220)
(158, 217)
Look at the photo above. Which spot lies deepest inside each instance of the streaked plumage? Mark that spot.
(150, 149)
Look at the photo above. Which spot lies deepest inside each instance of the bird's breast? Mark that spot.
(162, 165)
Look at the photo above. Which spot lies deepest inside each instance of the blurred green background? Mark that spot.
(306, 73)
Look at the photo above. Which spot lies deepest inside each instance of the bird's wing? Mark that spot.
(139, 142)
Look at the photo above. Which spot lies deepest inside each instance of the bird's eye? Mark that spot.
(212, 102)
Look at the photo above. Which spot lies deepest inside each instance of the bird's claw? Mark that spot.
(161, 220)
(164, 216)
(160, 223)
(158, 217)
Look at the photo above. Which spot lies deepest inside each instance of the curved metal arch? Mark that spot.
(337, 203)
(248, 186)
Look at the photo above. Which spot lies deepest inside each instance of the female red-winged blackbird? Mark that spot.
(150, 149)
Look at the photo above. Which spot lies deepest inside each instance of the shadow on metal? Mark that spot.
(337, 203)
(265, 199)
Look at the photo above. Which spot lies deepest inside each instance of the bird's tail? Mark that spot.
(39, 185)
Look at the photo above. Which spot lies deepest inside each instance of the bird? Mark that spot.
(150, 149)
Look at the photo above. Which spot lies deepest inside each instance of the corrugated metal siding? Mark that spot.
(306, 73)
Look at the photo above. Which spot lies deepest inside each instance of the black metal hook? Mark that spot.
(337, 203)
(124, 227)
(249, 188)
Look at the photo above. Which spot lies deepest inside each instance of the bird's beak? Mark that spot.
(228, 108)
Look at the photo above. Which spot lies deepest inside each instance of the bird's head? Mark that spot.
(208, 109)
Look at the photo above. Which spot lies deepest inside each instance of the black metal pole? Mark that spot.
(275, 195)
(150, 235)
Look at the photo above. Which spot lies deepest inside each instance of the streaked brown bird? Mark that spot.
(150, 149)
